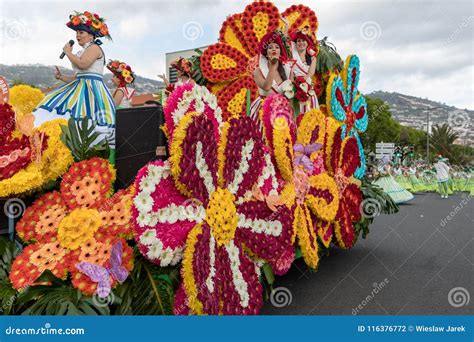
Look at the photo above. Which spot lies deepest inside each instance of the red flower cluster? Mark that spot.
(300, 94)
(225, 96)
(249, 20)
(305, 14)
(215, 62)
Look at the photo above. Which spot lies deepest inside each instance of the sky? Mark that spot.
(419, 48)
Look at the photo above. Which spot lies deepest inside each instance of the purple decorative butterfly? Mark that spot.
(101, 275)
(305, 151)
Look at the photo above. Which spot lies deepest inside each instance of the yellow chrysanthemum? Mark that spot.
(78, 227)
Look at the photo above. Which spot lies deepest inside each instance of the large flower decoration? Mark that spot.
(341, 156)
(79, 224)
(230, 63)
(29, 157)
(202, 207)
(191, 97)
(348, 106)
(310, 191)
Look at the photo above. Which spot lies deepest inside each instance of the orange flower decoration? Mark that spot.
(79, 223)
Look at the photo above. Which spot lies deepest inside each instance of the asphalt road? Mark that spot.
(415, 262)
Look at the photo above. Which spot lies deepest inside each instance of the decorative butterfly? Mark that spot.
(305, 152)
(101, 275)
(272, 201)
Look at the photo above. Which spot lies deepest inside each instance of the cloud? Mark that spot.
(415, 47)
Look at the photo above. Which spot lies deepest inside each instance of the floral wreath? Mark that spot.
(122, 71)
(89, 22)
(81, 223)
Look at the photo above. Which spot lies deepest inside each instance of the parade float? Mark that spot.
(236, 203)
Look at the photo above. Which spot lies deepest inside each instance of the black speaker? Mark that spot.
(139, 140)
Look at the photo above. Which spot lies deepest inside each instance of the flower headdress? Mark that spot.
(183, 65)
(305, 34)
(122, 71)
(89, 22)
(276, 37)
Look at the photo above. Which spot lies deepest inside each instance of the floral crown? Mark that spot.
(122, 70)
(277, 37)
(89, 22)
(183, 65)
(304, 33)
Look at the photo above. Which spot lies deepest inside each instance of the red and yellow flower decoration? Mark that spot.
(230, 63)
(29, 157)
(310, 191)
(81, 222)
(342, 160)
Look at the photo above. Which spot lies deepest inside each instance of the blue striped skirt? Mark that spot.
(86, 96)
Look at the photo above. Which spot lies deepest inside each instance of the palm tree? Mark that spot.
(442, 139)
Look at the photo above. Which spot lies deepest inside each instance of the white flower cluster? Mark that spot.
(260, 226)
(143, 201)
(204, 172)
(212, 262)
(247, 150)
(200, 96)
(237, 277)
(167, 256)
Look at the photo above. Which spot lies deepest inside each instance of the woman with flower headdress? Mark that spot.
(184, 74)
(122, 79)
(303, 48)
(389, 184)
(84, 94)
(273, 74)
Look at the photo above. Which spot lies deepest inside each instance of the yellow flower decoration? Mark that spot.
(78, 227)
(24, 99)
